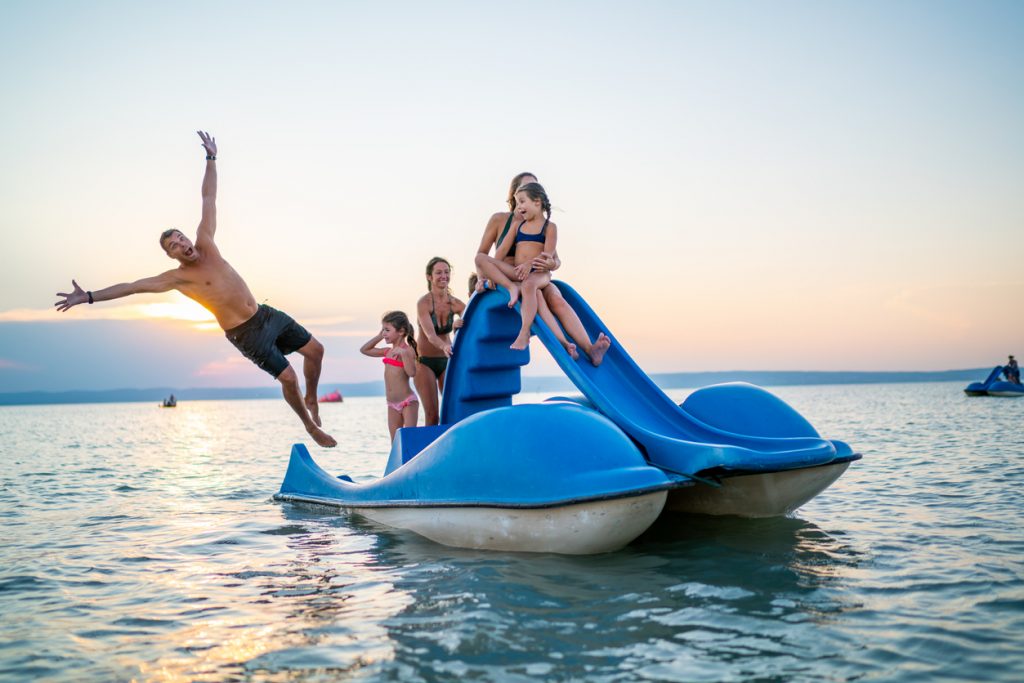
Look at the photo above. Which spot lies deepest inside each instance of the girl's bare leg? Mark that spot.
(549, 318)
(500, 273)
(410, 414)
(394, 421)
(574, 326)
(529, 308)
(600, 347)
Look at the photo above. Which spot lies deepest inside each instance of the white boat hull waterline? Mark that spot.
(578, 529)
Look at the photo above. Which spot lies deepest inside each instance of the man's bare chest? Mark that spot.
(211, 277)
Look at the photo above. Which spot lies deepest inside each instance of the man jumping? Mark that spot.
(263, 335)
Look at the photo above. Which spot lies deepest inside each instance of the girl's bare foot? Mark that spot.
(520, 343)
(599, 348)
(513, 297)
(314, 410)
(570, 348)
(321, 437)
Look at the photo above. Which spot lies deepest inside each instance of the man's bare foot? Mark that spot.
(519, 344)
(570, 348)
(321, 437)
(314, 410)
(513, 297)
(599, 348)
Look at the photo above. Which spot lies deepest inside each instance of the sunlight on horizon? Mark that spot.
(730, 187)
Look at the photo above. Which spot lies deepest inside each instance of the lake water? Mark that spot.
(142, 544)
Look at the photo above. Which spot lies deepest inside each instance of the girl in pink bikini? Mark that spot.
(399, 368)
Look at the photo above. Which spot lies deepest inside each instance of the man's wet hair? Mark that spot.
(166, 234)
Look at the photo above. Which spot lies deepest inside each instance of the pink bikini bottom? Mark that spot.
(411, 398)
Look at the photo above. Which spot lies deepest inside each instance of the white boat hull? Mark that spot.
(756, 495)
(576, 529)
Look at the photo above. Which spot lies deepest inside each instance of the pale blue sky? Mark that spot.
(788, 185)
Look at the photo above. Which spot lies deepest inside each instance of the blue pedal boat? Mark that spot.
(580, 475)
(993, 386)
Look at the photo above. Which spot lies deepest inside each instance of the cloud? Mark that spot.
(956, 308)
(180, 309)
(329, 321)
(348, 333)
(7, 364)
(225, 367)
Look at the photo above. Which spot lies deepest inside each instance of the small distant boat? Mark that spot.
(169, 402)
(333, 397)
(993, 386)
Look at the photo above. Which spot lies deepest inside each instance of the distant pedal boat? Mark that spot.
(993, 386)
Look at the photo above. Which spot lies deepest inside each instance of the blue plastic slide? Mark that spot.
(484, 373)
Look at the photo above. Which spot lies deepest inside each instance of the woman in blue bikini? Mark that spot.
(550, 302)
(399, 367)
(435, 313)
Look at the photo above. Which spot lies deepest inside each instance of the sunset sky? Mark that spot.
(737, 185)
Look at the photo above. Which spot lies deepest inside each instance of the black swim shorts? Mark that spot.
(267, 337)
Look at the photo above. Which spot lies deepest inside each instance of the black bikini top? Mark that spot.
(448, 326)
(508, 224)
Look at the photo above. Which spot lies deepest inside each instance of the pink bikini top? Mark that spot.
(393, 361)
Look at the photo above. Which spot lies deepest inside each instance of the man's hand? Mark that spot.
(73, 298)
(209, 143)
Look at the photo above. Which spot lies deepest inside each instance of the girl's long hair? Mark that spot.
(516, 182)
(400, 321)
(535, 191)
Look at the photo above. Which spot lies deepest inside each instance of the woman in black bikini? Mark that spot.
(435, 313)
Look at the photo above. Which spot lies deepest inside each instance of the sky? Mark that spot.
(737, 185)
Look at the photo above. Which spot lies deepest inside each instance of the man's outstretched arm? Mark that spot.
(208, 222)
(164, 282)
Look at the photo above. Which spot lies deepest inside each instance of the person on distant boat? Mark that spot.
(435, 315)
(264, 335)
(1012, 371)
(399, 368)
(550, 302)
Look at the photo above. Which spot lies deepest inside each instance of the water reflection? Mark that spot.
(694, 594)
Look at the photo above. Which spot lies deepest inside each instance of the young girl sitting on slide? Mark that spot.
(399, 368)
(534, 234)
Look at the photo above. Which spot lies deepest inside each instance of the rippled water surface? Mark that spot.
(142, 543)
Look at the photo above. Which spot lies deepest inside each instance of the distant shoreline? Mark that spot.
(672, 380)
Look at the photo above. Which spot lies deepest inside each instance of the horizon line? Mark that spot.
(529, 384)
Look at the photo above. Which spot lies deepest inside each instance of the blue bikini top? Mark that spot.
(539, 237)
